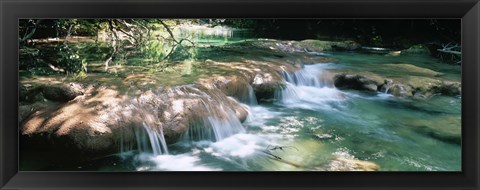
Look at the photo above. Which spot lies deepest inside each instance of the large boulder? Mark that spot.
(358, 81)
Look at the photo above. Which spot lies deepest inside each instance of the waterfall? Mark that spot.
(307, 89)
(157, 140)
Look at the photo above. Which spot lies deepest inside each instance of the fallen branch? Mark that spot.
(450, 51)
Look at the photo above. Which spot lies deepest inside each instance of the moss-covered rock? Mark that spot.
(412, 69)
(417, 49)
(427, 86)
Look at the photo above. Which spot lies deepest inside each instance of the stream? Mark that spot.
(309, 127)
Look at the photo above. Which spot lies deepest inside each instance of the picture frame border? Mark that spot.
(466, 10)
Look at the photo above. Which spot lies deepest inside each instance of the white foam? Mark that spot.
(239, 145)
(181, 162)
(259, 115)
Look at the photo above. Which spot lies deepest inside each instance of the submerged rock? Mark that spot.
(447, 129)
(349, 163)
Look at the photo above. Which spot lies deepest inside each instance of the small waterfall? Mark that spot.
(217, 125)
(215, 119)
(246, 95)
(307, 89)
(224, 128)
(308, 76)
(386, 89)
(252, 99)
(157, 140)
(147, 140)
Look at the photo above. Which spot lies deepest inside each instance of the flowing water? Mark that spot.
(310, 125)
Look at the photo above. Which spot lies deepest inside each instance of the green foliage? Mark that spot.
(69, 58)
(154, 49)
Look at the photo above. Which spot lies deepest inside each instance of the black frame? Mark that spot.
(12, 10)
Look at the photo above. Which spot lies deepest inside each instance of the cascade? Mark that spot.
(306, 88)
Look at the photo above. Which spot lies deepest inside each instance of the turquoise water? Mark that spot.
(314, 126)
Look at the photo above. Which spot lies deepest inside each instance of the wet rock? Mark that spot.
(429, 86)
(420, 87)
(62, 92)
(401, 90)
(234, 86)
(449, 88)
(241, 111)
(356, 81)
(265, 85)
